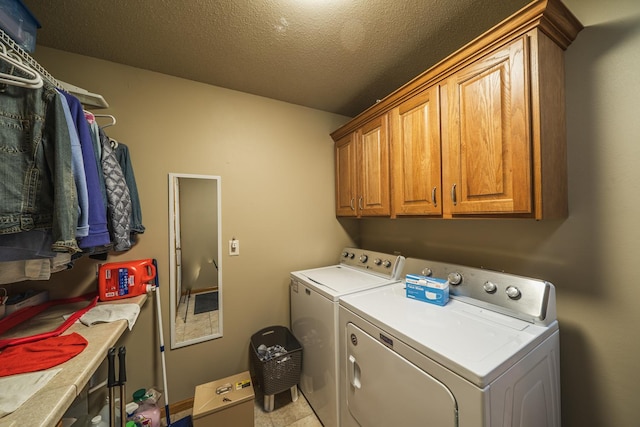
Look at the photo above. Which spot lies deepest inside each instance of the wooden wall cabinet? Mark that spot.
(415, 155)
(363, 171)
(504, 137)
(482, 133)
(346, 187)
(487, 161)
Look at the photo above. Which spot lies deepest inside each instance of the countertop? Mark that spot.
(47, 407)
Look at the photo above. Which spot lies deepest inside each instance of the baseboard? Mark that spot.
(174, 408)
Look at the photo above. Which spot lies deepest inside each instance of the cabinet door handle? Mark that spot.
(433, 197)
(353, 208)
(453, 195)
(360, 203)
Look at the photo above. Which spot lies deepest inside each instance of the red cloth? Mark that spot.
(40, 355)
(27, 313)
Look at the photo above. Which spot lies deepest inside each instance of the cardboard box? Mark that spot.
(428, 289)
(224, 403)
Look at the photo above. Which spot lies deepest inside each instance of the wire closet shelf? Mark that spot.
(28, 59)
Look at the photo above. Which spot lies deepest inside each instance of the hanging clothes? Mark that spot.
(34, 269)
(37, 190)
(26, 245)
(118, 197)
(65, 192)
(77, 168)
(98, 233)
(124, 159)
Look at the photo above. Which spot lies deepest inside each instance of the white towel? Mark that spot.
(17, 389)
(102, 313)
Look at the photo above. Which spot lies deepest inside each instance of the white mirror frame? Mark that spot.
(174, 264)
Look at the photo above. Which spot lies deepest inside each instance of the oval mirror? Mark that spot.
(194, 254)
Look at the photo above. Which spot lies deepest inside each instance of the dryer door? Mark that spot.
(385, 389)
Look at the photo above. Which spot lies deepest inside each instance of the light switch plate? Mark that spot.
(234, 247)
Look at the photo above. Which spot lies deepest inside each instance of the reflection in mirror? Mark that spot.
(194, 252)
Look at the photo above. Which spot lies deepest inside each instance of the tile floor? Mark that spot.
(285, 412)
(197, 325)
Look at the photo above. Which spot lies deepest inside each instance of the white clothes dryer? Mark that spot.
(488, 358)
(314, 316)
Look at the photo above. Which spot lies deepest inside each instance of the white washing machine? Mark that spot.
(488, 358)
(314, 319)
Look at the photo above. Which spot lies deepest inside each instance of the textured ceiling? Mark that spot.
(333, 55)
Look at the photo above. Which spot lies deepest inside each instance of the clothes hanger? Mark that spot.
(33, 81)
(114, 143)
(113, 120)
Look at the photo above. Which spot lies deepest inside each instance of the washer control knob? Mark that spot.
(345, 254)
(455, 278)
(352, 255)
(386, 263)
(427, 271)
(363, 258)
(377, 261)
(490, 287)
(513, 292)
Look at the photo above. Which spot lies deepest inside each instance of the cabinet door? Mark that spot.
(345, 153)
(415, 155)
(373, 161)
(487, 147)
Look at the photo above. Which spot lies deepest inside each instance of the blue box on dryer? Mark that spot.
(429, 289)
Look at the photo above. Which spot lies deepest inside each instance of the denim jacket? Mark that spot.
(37, 189)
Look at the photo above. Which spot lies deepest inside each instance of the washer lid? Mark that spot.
(336, 280)
(474, 342)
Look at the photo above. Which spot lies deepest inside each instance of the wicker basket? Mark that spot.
(279, 373)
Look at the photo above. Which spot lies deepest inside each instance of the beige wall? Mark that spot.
(276, 164)
(593, 256)
(277, 198)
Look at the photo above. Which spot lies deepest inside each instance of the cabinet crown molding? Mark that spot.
(551, 17)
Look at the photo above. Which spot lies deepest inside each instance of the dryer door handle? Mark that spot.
(354, 372)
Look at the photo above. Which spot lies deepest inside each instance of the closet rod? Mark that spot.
(86, 97)
(8, 41)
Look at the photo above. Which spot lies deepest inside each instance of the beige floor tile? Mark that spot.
(286, 413)
(308, 421)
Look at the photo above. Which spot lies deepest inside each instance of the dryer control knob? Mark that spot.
(427, 271)
(513, 292)
(377, 261)
(454, 278)
(386, 263)
(363, 258)
(490, 287)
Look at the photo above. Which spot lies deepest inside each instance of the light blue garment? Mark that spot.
(77, 167)
(98, 233)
